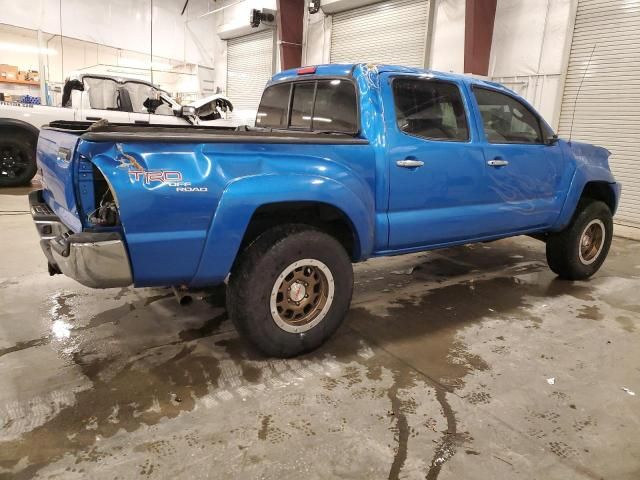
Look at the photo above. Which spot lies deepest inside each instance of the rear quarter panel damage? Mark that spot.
(184, 208)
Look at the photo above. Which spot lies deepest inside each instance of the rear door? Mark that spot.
(436, 169)
(527, 176)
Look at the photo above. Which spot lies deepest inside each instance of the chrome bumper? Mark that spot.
(97, 260)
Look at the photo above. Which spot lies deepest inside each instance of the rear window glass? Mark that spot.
(335, 107)
(302, 104)
(322, 105)
(274, 107)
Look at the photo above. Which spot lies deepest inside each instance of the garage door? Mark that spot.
(389, 32)
(607, 110)
(249, 67)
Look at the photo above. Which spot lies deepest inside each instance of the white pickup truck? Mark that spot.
(91, 98)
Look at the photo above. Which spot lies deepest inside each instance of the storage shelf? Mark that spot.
(19, 82)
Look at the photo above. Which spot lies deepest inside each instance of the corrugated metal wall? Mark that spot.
(393, 32)
(249, 68)
(607, 110)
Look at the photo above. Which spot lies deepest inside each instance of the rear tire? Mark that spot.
(17, 159)
(290, 290)
(578, 251)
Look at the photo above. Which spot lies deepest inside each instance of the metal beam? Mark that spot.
(290, 28)
(478, 32)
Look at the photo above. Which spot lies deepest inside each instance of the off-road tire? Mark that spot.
(563, 248)
(22, 146)
(258, 270)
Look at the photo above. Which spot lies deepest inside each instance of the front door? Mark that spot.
(526, 174)
(436, 169)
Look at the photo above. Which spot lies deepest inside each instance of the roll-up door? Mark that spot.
(249, 68)
(607, 109)
(393, 32)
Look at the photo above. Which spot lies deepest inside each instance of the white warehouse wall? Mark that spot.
(529, 46)
(447, 41)
(115, 23)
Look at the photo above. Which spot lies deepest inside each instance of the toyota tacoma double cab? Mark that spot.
(346, 162)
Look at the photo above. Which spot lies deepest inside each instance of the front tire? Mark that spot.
(290, 290)
(17, 159)
(579, 251)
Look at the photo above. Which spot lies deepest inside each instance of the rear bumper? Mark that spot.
(97, 260)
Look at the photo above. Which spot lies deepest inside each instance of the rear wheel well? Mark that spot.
(322, 216)
(599, 191)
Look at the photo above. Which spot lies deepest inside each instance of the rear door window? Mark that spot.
(315, 105)
(430, 109)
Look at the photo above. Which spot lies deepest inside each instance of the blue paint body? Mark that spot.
(178, 237)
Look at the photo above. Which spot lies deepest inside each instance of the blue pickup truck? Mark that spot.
(345, 163)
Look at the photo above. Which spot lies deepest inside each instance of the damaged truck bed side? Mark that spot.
(346, 162)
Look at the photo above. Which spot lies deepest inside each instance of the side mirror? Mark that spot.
(552, 140)
(187, 111)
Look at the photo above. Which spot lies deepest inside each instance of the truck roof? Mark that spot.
(345, 69)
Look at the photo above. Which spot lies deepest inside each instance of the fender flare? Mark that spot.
(242, 198)
(580, 179)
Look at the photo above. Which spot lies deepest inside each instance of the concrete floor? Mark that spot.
(440, 371)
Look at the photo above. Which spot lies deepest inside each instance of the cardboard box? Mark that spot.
(8, 72)
(8, 68)
(22, 76)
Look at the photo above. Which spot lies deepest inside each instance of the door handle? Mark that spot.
(409, 163)
(496, 162)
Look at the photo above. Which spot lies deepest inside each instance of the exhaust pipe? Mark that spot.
(182, 295)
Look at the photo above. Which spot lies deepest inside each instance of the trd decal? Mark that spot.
(170, 178)
(148, 176)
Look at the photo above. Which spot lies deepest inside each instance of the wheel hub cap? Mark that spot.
(297, 292)
(11, 163)
(302, 295)
(592, 242)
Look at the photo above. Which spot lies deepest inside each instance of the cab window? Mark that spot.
(505, 119)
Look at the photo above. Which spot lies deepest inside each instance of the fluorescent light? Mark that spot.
(16, 47)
